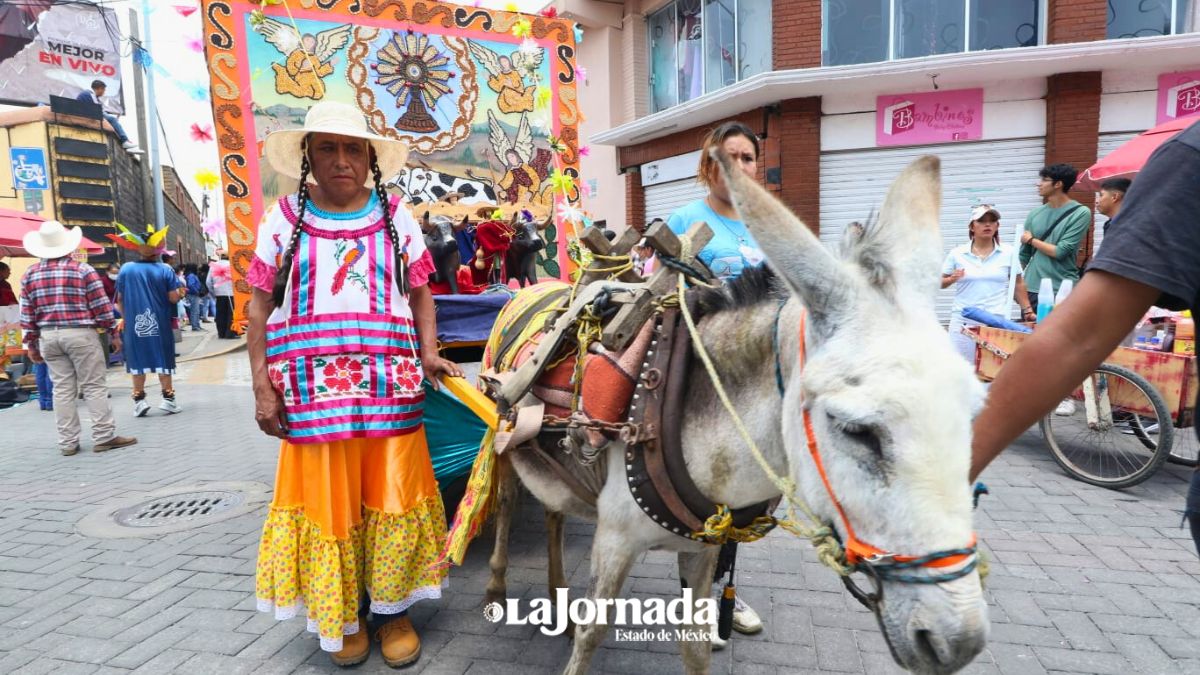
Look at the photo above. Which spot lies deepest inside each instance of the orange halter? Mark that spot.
(859, 552)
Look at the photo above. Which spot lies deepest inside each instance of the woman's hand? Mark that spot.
(1026, 237)
(269, 413)
(434, 365)
(957, 274)
(1027, 314)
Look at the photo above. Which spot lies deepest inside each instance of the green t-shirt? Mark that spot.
(1066, 237)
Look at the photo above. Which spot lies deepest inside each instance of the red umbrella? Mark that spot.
(14, 225)
(1127, 160)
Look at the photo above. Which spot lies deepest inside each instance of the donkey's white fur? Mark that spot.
(891, 404)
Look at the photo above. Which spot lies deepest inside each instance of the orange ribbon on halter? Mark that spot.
(857, 550)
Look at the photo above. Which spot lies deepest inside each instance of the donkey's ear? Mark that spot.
(905, 247)
(812, 272)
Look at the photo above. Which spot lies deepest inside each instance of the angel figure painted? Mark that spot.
(525, 167)
(506, 76)
(310, 57)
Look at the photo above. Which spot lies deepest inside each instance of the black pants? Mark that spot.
(225, 316)
(1192, 511)
(1033, 300)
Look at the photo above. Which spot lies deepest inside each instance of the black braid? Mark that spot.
(285, 267)
(401, 267)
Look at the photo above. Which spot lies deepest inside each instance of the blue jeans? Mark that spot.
(121, 135)
(194, 305)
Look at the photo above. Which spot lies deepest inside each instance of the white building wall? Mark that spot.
(600, 53)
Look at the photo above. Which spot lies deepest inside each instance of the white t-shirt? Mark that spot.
(985, 282)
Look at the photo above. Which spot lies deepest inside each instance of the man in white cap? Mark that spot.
(62, 305)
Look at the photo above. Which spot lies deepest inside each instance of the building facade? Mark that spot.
(830, 85)
(89, 181)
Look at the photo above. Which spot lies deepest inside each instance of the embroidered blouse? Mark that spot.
(343, 350)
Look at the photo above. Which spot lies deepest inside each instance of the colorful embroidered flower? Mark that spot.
(343, 374)
(407, 376)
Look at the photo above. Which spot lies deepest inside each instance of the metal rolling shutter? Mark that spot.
(1001, 173)
(664, 198)
(1106, 144)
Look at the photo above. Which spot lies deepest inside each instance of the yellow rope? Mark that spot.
(829, 551)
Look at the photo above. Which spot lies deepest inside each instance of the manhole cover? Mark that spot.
(174, 509)
(186, 507)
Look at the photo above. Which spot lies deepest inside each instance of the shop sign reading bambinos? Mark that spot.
(1178, 95)
(929, 117)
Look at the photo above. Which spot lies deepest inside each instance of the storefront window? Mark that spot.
(698, 46)
(867, 31)
(1001, 25)
(1145, 18)
(926, 27)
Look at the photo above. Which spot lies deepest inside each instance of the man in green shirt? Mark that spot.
(1053, 231)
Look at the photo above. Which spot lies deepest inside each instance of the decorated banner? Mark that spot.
(51, 48)
(486, 100)
(1178, 95)
(929, 117)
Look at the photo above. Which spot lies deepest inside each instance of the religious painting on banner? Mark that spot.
(486, 99)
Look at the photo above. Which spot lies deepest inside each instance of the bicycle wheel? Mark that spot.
(1185, 448)
(1107, 440)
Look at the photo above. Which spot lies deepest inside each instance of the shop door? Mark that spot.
(664, 198)
(1001, 173)
(1106, 144)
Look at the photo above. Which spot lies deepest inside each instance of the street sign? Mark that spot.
(29, 168)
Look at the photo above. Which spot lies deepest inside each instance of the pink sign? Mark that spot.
(1178, 95)
(932, 117)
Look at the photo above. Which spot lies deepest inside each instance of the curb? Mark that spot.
(234, 347)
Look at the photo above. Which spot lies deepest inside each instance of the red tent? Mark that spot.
(15, 224)
(1128, 159)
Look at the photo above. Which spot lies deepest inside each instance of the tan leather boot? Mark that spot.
(355, 649)
(400, 642)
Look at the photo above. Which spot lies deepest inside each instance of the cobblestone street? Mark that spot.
(1083, 580)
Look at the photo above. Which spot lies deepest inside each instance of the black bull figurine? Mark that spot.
(519, 258)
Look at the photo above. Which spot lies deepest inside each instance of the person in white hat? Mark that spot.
(63, 304)
(979, 271)
(341, 335)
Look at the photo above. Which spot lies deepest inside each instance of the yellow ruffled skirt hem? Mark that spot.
(301, 571)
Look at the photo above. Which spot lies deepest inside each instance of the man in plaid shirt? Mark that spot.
(63, 304)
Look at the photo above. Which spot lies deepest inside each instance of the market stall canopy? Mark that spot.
(15, 224)
(1127, 160)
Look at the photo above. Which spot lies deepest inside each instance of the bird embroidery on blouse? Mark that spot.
(348, 258)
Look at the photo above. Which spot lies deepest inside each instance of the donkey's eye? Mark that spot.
(863, 435)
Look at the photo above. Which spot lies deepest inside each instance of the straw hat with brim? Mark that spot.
(282, 148)
(52, 240)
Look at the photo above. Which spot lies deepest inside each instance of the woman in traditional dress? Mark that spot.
(341, 335)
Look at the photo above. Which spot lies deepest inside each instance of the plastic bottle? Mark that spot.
(1140, 342)
(1155, 344)
(1063, 291)
(1045, 299)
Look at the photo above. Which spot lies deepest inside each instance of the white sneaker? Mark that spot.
(140, 408)
(1066, 408)
(132, 148)
(170, 406)
(745, 619)
(717, 643)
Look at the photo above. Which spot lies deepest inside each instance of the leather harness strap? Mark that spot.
(675, 501)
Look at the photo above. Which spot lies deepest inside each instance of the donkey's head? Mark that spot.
(890, 402)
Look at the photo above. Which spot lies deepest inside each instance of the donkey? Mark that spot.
(890, 407)
(522, 252)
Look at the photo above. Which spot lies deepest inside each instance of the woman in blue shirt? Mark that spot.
(732, 249)
(979, 269)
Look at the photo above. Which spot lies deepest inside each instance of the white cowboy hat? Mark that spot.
(52, 240)
(282, 148)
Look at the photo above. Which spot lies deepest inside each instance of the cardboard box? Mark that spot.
(1185, 329)
(1186, 346)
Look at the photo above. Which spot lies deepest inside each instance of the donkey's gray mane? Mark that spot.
(754, 286)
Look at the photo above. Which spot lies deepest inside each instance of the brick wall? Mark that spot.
(681, 142)
(799, 134)
(1073, 127)
(796, 34)
(635, 199)
(1077, 20)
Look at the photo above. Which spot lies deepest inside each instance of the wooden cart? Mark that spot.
(1114, 438)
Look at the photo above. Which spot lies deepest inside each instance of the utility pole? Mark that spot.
(140, 104)
(152, 124)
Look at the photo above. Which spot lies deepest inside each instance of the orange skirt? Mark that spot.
(348, 515)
